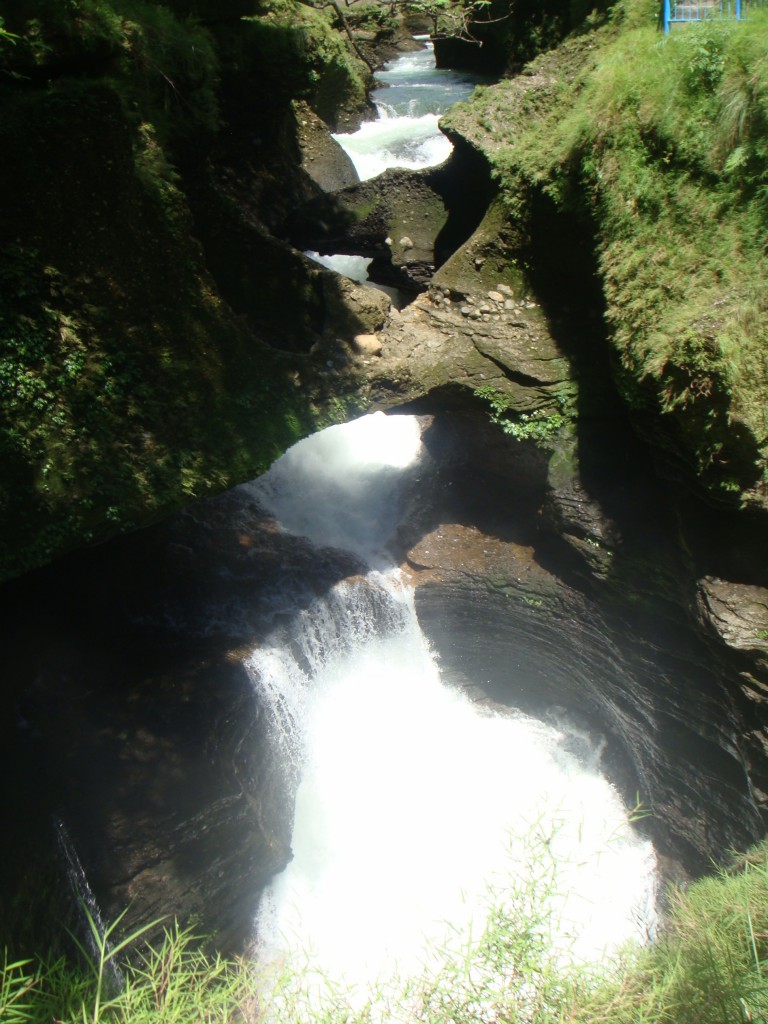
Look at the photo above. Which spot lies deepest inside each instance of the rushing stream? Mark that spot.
(416, 809)
(411, 95)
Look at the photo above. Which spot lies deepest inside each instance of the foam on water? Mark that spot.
(395, 141)
(413, 94)
(354, 267)
(340, 488)
(412, 802)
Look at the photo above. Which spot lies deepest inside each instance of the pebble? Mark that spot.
(406, 243)
(504, 289)
(366, 344)
(465, 310)
(495, 296)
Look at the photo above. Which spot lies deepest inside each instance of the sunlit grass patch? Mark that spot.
(708, 966)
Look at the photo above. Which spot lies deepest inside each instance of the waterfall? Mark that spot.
(413, 804)
(417, 811)
(87, 912)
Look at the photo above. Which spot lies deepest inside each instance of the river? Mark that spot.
(410, 97)
(417, 812)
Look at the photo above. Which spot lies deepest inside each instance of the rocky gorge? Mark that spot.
(596, 563)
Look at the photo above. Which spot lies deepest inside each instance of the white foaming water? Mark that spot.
(412, 803)
(354, 267)
(413, 95)
(340, 487)
(392, 141)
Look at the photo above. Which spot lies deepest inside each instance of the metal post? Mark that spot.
(667, 15)
(738, 10)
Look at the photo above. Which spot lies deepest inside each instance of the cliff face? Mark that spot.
(146, 310)
(648, 146)
(595, 347)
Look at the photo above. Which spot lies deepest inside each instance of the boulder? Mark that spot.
(367, 344)
(321, 157)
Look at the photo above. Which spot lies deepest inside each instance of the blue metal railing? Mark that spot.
(680, 12)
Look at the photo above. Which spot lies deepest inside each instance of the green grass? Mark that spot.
(708, 966)
(659, 144)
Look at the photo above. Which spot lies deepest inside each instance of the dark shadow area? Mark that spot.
(436, 210)
(464, 183)
(483, 478)
(659, 511)
(128, 714)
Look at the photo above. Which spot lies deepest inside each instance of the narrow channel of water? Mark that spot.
(411, 96)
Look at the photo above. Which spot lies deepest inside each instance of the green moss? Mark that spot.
(659, 145)
(162, 65)
(128, 386)
(300, 45)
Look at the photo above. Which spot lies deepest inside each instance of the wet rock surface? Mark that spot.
(138, 726)
(518, 634)
(395, 218)
(321, 158)
(737, 613)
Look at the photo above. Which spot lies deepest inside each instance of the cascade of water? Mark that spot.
(87, 907)
(341, 488)
(411, 801)
(412, 95)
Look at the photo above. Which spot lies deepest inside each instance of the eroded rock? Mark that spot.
(735, 612)
(321, 157)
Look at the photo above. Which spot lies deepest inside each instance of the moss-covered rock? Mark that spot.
(132, 372)
(638, 138)
(129, 386)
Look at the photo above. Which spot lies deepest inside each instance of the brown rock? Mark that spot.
(738, 613)
(367, 344)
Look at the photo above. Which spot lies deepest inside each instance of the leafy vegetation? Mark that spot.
(538, 426)
(708, 966)
(658, 144)
(128, 385)
(163, 66)
(303, 45)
